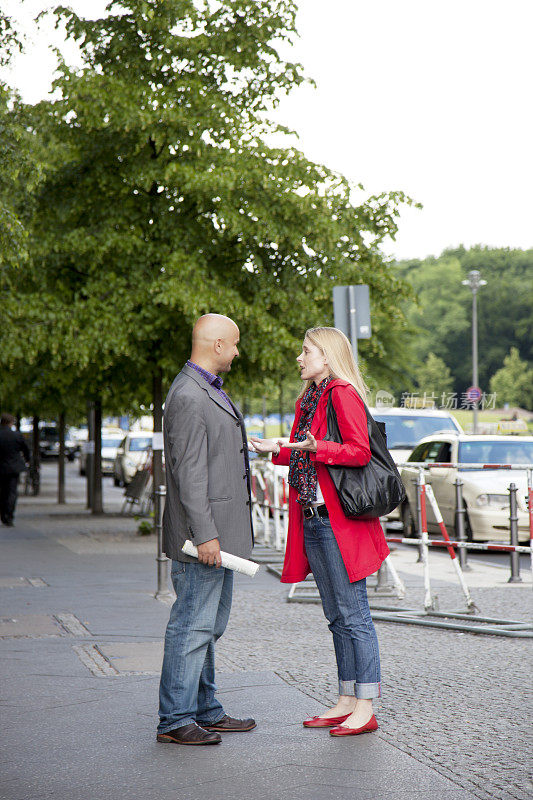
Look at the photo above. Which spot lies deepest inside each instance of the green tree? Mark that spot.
(169, 203)
(442, 312)
(513, 383)
(161, 200)
(434, 377)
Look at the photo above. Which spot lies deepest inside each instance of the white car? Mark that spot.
(134, 451)
(405, 427)
(485, 491)
(111, 441)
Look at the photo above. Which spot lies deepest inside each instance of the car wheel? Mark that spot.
(409, 526)
(82, 471)
(116, 481)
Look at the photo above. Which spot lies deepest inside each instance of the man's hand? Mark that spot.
(258, 445)
(209, 553)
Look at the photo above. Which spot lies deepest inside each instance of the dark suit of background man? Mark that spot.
(208, 501)
(14, 454)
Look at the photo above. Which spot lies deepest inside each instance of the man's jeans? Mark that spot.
(346, 608)
(197, 619)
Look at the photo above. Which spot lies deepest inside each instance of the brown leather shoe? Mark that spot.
(189, 734)
(231, 725)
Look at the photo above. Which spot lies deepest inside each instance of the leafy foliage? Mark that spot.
(161, 200)
(513, 383)
(442, 310)
(434, 376)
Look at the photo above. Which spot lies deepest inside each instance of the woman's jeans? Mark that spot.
(197, 619)
(346, 608)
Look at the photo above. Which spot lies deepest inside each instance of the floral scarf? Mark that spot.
(302, 473)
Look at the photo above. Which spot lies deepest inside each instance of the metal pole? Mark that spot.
(474, 353)
(429, 601)
(419, 520)
(460, 522)
(89, 453)
(163, 592)
(513, 519)
(530, 513)
(352, 314)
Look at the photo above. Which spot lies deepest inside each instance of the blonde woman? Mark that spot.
(340, 552)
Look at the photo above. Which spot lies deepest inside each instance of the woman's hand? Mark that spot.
(263, 445)
(308, 444)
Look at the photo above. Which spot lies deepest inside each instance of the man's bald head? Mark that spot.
(214, 342)
(211, 327)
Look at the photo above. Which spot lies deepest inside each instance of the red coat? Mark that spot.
(361, 542)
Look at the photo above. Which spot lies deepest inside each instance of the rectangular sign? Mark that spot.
(157, 441)
(348, 316)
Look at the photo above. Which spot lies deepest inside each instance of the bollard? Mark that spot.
(460, 523)
(163, 592)
(417, 483)
(530, 512)
(513, 519)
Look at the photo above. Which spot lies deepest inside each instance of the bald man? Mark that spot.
(208, 501)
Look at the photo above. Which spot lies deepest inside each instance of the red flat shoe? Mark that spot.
(324, 722)
(341, 730)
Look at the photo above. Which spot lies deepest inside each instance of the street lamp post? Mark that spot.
(474, 281)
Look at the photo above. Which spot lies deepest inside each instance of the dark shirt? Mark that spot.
(14, 452)
(213, 380)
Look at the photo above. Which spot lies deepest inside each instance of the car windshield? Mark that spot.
(405, 431)
(139, 443)
(492, 451)
(111, 442)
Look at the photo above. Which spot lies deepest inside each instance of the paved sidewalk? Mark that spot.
(82, 649)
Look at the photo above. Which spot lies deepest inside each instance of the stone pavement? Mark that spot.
(82, 648)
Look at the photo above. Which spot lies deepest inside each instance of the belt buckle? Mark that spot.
(310, 512)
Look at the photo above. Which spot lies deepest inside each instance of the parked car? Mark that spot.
(134, 450)
(49, 442)
(111, 441)
(405, 427)
(485, 491)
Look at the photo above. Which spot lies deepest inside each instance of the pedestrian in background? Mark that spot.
(208, 501)
(14, 455)
(339, 551)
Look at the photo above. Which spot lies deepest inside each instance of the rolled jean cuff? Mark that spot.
(367, 691)
(347, 688)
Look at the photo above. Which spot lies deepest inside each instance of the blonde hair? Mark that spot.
(338, 353)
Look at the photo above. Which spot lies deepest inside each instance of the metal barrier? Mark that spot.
(460, 513)
(464, 622)
(138, 493)
(269, 481)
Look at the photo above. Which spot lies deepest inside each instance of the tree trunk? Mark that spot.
(89, 449)
(98, 507)
(61, 462)
(157, 452)
(35, 456)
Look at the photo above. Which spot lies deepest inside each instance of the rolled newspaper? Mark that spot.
(228, 560)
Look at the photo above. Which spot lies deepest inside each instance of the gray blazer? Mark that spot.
(207, 470)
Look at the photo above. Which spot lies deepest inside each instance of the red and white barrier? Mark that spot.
(460, 575)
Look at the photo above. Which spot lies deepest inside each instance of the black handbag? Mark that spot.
(373, 490)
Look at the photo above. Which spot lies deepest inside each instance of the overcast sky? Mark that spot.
(430, 97)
